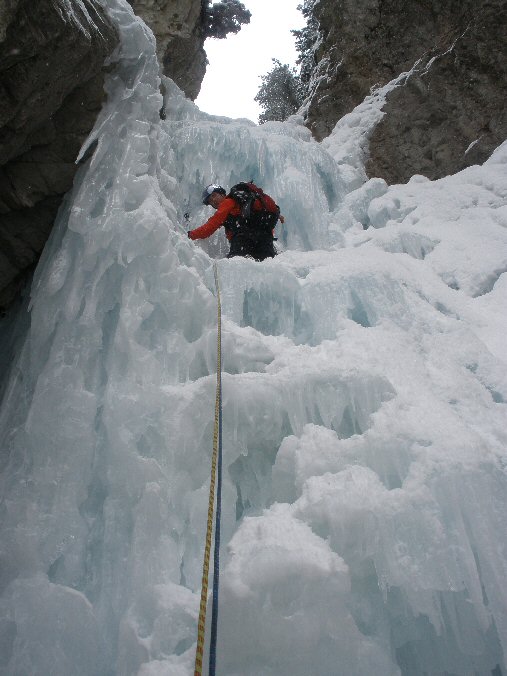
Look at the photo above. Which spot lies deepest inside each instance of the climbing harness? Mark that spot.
(216, 477)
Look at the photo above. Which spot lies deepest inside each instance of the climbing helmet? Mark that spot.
(209, 190)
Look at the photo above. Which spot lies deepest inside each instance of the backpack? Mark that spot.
(254, 219)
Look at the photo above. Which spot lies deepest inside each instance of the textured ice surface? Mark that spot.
(364, 397)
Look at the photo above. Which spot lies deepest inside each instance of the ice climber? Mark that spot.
(248, 215)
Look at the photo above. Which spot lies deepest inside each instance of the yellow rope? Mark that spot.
(201, 625)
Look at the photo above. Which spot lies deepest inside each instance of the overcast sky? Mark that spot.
(237, 62)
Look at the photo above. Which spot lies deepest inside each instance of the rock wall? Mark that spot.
(177, 25)
(51, 89)
(449, 114)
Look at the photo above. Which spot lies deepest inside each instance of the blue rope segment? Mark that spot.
(216, 556)
(218, 511)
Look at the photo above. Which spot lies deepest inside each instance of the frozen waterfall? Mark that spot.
(365, 400)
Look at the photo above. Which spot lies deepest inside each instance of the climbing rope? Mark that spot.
(216, 477)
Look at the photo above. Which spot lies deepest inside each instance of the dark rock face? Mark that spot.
(449, 114)
(51, 89)
(455, 97)
(177, 26)
(185, 62)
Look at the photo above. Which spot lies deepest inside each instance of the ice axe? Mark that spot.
(186, 216)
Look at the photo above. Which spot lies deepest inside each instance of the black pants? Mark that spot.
(258, 246)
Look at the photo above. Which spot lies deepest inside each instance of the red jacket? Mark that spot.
(228, 207)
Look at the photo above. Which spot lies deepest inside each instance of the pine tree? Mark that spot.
(306, 41)
(280, 93)
(223, 18)
(284, 88)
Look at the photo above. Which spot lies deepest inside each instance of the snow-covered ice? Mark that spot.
(364, 395)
